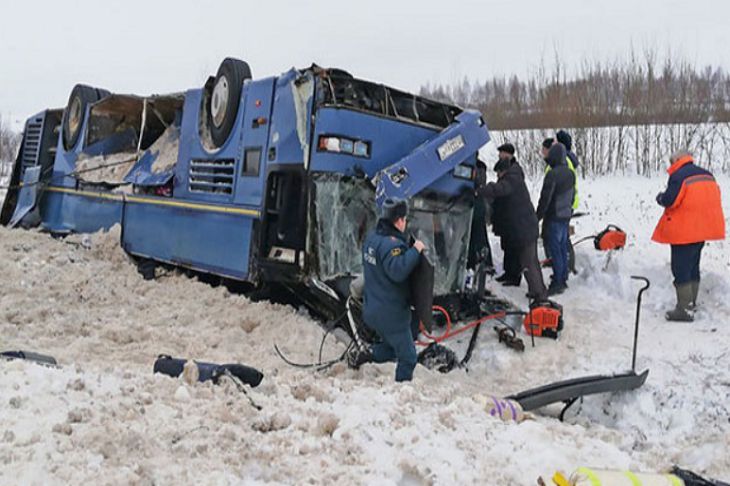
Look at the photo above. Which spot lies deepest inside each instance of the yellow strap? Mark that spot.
(590, 475)
(560, 480)
(160, 201)
(675, 480)
(632, 477)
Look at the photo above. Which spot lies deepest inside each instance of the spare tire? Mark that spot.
(225, 98)
(73, 116)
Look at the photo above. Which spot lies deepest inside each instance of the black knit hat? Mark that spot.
(393, 209)
(507, 147)
(565, 138)
(548, 142)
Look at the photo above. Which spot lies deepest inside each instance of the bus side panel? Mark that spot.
(209, 241)
(68, 212)
(388, 140)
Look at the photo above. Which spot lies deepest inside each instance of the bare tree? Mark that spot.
(625, 115)
(9, 143)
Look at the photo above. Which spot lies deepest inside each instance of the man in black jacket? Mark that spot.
(512, 275)
(518, 224)
(556, 207)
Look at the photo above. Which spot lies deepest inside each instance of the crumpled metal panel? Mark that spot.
(290, 117)
(434, 158)
(28, 196)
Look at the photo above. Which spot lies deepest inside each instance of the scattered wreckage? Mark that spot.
(262, 184)
(270, 185)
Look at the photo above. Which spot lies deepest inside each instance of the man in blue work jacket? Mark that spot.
(387, 263)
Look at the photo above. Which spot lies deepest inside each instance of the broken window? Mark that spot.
(341, 89)
(446, 231)
(130, 137)
(345, 213)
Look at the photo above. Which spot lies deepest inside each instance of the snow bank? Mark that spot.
(102, 416)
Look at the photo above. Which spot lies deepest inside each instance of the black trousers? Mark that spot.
(530, 264)
(523, 259)
(512, 266)
(686, 262)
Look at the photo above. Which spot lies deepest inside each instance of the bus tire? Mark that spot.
(73, 116)
(225, 96)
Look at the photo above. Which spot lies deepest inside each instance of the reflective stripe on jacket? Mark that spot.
(693, 206)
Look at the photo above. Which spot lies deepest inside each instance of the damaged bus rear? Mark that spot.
(272, 181)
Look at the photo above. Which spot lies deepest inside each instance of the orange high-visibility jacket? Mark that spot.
(695, 214)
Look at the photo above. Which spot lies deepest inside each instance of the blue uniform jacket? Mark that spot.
(387, 263)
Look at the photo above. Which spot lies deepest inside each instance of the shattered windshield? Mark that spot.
(445, 230)
(345, 213)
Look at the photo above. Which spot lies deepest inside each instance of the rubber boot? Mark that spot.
(682, 312)
(695, 291)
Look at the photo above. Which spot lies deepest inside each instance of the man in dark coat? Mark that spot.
(387, 263)
(512, 275)
(556, 208)
(571, 159)
(518, 228)
(545, 148)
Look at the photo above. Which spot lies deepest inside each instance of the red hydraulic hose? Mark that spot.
(451, 333)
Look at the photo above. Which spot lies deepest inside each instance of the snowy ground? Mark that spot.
(103, 417)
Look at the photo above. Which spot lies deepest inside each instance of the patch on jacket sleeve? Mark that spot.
(396, 251)
(369, 256)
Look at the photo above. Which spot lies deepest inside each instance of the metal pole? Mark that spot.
(638, 314)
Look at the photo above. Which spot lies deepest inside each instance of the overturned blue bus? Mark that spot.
(261, 182)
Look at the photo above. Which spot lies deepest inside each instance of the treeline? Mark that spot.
(637, 91)
(628, 149)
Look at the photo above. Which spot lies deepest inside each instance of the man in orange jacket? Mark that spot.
(692, 215)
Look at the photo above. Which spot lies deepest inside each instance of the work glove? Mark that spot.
(659, 198)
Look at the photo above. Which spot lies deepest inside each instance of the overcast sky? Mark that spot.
(155, 46)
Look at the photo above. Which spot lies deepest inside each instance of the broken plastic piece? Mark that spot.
(173, 367)
(30, 356)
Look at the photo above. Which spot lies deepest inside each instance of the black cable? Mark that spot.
(584, 239)
(321, 344)
(330, 327)
(470, 348)
(319, 366)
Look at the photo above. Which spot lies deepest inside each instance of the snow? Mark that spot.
(102, 416)
(110, 168)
